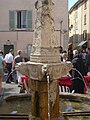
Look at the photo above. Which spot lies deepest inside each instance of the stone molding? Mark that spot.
(35, 72)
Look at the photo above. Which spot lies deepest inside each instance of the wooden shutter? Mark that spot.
(29, 19)
(11, 20)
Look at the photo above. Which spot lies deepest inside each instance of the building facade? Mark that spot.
(79, 24)
(17, 22)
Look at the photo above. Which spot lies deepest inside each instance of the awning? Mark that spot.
(81, 43)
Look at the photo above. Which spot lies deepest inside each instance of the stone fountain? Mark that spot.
(45, 66)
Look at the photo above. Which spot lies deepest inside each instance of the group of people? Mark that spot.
(81, 67)
(2, 68)
(80, 61)
(7, 63)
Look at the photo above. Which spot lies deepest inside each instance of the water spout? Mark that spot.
(48, 83)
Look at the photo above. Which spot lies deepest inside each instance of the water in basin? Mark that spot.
(22, 105)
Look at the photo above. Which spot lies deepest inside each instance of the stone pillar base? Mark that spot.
(41, 107)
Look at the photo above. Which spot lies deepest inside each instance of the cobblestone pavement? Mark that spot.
(8, 89)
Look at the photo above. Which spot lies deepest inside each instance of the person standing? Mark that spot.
(9, 60)
(88, 59)
(70, 52)
(17, 59)
(65, 56)
(78, 74)
(2, 67)
(83, 52)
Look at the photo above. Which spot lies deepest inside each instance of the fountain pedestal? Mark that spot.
(42, 103)
(40, 108)
(45, 67)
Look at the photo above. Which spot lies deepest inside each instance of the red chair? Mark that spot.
(65, 84)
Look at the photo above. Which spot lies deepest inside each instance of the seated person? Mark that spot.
(24, 86)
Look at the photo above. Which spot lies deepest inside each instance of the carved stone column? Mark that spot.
(45, 45)
(45, 50)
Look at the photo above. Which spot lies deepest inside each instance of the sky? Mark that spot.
(71, 3)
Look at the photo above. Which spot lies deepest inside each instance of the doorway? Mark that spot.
(7, 48)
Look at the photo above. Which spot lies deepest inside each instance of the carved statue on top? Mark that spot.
(44, 2)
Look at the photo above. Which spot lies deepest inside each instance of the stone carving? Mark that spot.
(53, 91)
(45, 2)
(34, 70)
(44, 43)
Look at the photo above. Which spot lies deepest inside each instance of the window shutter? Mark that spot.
(24, 19)
(11, 20)
(29, 20)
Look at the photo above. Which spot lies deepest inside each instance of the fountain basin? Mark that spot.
(72, 106)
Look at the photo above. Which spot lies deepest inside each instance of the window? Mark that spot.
(76, 38)
(85, 35)
(84, 19)
(20, 20)
(76, 14)
(85, 5)
(76, 25)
